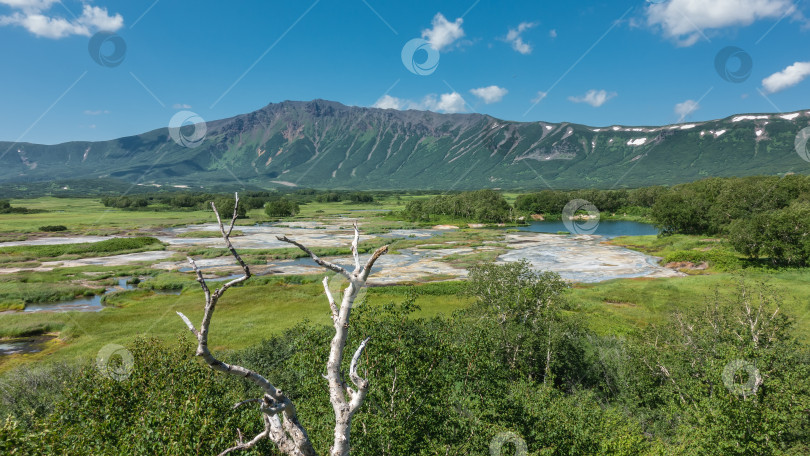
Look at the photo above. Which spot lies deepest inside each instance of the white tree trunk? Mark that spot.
(281, 423)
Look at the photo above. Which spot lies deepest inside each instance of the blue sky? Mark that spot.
(590, 62)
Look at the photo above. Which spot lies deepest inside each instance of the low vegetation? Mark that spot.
(714, 363)
(504, 369)
(87, 249)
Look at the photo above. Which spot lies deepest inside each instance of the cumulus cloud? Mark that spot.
(444, 32)
(450, 103)
(29, 5)
(516, 40)
(389, 102)
(490, 94)
(786, 78)
(685, 21)
(31, 16)
(594, 97)
(447, 102)
(686, 108)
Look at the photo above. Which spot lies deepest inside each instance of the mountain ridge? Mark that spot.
(325, 144)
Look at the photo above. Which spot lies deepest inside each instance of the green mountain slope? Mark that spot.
(323, 144)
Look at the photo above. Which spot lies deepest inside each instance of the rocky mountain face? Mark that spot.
(324, 144)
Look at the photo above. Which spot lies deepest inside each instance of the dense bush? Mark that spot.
(480, 205)
(53, 228)
(455, 385)
(7, 208)
(762, 216)
(329, 197)
(281, 208)
(125, 202)
(550, 203)
(225, 208)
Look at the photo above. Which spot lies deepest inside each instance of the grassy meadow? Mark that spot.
(267, 306)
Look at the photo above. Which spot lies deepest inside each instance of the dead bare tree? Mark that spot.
(281, 423)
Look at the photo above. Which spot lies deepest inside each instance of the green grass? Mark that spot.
(244, 316)
(622, 306)
(268, 305)
(88, 215)
(717, 252)
(84, 250)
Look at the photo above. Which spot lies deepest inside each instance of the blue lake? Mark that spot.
(606, 228)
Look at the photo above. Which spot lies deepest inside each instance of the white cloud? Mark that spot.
(686, 108)
(686, 21)
(29, 5)
(540, 96)
(98, 19)
(552, 33)
(444, 32)
(96, 113)
(490, 94)
(594, 97)
(516, 40)
(181, 106)
(31, 18)
(450, 103)
(447, 103)
(389, 102)
(786, 78)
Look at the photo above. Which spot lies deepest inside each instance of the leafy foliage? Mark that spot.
(456, 384)
(479, 205)
(281, 208)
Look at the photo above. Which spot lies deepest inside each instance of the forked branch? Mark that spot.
(345, 400)
(281, 423)
(278, 412)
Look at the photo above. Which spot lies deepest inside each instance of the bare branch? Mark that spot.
(332, 304)
(227, 238)
(338, 390)
(355, 254)
(358, 381)
(200, 279)
(278, 412)
(246, 401)
(247, 445)
(290, 437)
(188, 323)
(370, 263)
(315, 258)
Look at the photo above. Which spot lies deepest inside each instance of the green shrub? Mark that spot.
(281, 208)
(53, 228)
(719, 259)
